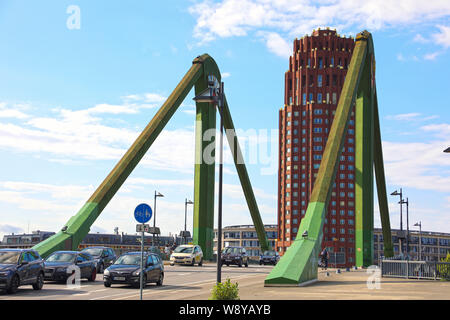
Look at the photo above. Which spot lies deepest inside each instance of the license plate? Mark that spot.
(48, 274)
(119, 278)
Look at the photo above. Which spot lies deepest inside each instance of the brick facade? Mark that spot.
(313, 84)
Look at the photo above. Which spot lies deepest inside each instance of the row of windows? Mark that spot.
(320, 148)
(321, 62)
(316, 130)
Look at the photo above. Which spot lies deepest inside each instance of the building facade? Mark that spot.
(423, 246)
(246, 236)
(313, 83)
(119, 242)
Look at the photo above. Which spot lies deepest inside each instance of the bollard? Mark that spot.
(347, 269)
(338, 271)
(327, 274)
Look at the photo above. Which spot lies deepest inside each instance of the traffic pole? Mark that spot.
(142, 262)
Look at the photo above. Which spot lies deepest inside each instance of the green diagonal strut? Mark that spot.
(75, 230)
(298, 266)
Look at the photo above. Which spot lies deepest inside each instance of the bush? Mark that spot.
(225, 291)
(444, 270)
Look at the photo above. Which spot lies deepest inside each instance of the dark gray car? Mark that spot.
(269, 257)
(127, 270)
(20, 267)
(103, 257)
(61, 264)
(235, 255)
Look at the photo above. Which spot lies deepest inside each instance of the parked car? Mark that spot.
(103, 257)
(187, 254)
(61, 264)
(20, 267)
(234, 255)
(127, 270)
(269, 257)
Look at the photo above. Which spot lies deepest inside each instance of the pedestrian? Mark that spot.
(324, 255)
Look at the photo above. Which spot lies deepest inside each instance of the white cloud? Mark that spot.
(422, 166)
(419, 38)
(443, 38)
(413, 116)
(292, 18)
(226, 75)
(431, 56)
(400, 57)
(276, 44)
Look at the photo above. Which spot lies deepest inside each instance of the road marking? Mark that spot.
(178, 290)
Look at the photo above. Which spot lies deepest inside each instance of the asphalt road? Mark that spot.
(180, 282)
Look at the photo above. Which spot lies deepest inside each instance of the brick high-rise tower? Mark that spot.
(313, 84)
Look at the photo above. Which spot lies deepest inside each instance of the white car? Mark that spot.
(187, 254)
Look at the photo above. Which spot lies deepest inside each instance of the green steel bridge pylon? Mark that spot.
(74, 231)
(299, 264)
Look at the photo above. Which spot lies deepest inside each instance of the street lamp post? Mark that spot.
(219, 220)
(407, 226)
(186, 202)
(215, 94)
(419, 224)
(395, 193)
(157, 194)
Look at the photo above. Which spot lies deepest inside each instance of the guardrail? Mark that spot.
(415, 269)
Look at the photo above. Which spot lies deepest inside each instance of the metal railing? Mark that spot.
(415, 269)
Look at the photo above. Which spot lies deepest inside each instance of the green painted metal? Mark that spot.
(364, 168)
(299, 263)
(78, 226)
(244, 178)
(204, 176)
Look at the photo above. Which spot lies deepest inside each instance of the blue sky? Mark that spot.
(73, 100)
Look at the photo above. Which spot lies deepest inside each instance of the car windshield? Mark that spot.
(95, 252)
(232, 250)
(129, 259)
(182, 249)
(62, 257)
(269, 253)
(7, 257)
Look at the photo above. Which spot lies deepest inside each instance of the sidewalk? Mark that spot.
(350, 285)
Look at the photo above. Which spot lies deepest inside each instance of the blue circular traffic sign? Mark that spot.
(143, 213)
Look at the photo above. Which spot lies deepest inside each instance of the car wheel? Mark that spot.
(14, 285)
(161, 279)
(39, 282)
(260, 263)
(201, 262)
(107, 284)
(93, 275)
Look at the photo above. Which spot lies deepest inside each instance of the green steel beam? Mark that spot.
(78, 226)
(204, 176)
(299, 263)
(364, 166)
(381, 184)
(244, 178)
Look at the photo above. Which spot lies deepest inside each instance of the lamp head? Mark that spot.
(395, 193)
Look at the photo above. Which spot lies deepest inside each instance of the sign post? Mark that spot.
(142, 214)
